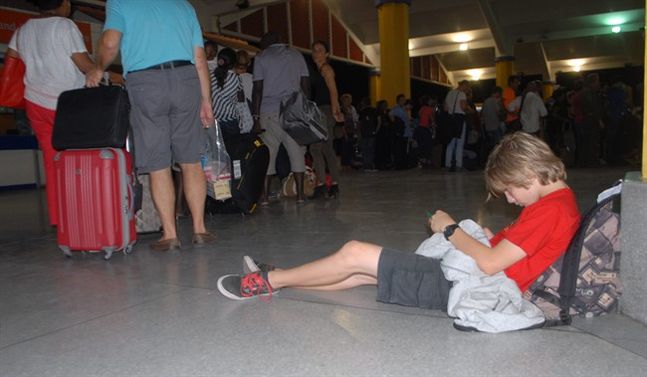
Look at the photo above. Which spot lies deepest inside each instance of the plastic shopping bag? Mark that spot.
(217, 165)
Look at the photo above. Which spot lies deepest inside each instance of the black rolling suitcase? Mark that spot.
(249, 158)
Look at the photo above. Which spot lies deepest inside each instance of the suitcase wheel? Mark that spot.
(66, 251)
(108, 254)
(128, 249)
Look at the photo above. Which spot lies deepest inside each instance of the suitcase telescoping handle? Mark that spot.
(131, 196)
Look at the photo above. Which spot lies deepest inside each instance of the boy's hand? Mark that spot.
(439, 221)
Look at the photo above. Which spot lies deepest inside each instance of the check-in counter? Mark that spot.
(21, 163)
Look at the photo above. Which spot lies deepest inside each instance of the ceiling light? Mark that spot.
(615, 21)
(461, 38)
(463, 47)
(475, 74)
(577, 68)
(616, 29)
(576, 62)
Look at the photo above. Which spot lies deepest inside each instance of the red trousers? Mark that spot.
(42, 122)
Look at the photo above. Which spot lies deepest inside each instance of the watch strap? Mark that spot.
(449, 230)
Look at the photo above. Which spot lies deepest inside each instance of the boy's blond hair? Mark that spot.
(519, 158)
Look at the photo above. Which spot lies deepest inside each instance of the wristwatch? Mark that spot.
(449, 230)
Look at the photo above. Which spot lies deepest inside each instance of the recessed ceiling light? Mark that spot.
(616, 29)
(463, 47)
(462, 38)
(576, 62)
(577, 68)
(615, 21)
(475, 74)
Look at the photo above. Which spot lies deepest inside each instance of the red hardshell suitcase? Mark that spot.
(96, 200)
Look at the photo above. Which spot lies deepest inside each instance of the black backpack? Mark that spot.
(585, 280)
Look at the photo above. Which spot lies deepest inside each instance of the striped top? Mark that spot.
(223, 101)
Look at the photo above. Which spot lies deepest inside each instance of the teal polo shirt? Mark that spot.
(154, 31)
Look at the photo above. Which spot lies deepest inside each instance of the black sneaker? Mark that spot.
(319, 192)
(251, 265)
(238, 287)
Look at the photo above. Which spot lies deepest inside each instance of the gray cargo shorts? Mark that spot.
(165, 117)
(412, 280)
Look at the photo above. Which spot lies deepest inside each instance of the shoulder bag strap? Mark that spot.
(523, 99)
(458, 93)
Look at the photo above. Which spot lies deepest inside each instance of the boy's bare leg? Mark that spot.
(352, 265)
(352, 282)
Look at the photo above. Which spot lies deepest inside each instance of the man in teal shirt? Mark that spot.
(169, 89)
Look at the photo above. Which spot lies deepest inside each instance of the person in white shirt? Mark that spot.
(456, 105)
(242, 64)
(55, 57)
(532, 108)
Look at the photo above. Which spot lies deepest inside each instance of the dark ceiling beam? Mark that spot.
(503, 45)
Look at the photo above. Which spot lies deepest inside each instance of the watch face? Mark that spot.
(449, 230)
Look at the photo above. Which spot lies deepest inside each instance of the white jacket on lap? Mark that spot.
(487, 303)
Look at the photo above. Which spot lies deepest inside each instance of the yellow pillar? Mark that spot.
(504, 69)
(374, 88)
(393, 22)
(548, 89)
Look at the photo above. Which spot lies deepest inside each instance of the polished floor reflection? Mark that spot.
(159, 314)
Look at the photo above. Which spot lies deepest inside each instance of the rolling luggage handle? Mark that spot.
(129, 201)
(130, 211)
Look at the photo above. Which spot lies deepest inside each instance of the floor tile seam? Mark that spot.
(362, 308)
(92, 319)
(609, 341)
(87, 270)
(553, 329)
(32, 238)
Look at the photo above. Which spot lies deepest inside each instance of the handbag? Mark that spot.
(516, 125)
(12, 83)
(289, 186)
(302, 119)
(91, 118)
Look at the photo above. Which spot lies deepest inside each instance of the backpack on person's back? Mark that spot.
(585, 281)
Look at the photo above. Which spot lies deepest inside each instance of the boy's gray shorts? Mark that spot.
(165, 117)
(412, 280)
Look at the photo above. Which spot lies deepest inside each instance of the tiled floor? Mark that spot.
(159, 314)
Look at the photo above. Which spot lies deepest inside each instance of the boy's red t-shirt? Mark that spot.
(543, 230)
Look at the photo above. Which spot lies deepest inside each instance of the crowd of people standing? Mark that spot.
(588, 124)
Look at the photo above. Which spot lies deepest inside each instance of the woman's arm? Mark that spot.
(329, 76)
(83, 61)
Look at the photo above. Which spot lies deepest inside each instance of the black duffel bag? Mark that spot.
(302, 119)
(91, 118)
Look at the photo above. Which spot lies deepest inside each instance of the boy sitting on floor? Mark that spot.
(521, 167)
